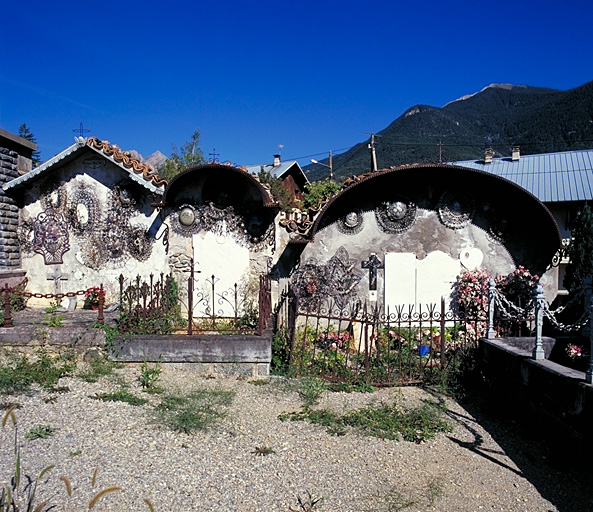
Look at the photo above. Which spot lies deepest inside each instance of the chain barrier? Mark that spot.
(505, 305)
(14, 290)
(579, 324)
(511, 311)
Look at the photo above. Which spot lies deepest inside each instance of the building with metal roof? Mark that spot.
(290, 173)
(551, 177)
(562, 181)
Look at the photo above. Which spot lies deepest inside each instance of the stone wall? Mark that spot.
(548, 399)
(10, 256)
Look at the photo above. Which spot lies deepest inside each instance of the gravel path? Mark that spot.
(217, 470)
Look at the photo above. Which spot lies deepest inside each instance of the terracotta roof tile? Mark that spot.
(124, 158)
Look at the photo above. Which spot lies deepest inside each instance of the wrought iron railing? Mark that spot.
(363, 343)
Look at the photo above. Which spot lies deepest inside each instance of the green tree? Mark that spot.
(279, 191)
(318, 191)
(26, 133)
(580, 250)
(191, 154)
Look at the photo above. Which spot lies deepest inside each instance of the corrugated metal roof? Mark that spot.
(551, 177)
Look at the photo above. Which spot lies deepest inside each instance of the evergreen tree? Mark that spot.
(580, 250)
(191, 154)
(26, 133)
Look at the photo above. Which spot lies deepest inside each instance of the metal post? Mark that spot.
(443, 333)
(491, 300)
(589, 304)
(538, 350)
(7, 313)
(101, 317)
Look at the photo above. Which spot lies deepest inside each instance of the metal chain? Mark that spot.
(560, 309)
(28, 295)
(517, 313)
(579, 324)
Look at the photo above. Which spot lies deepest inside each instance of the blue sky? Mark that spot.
(312, 76)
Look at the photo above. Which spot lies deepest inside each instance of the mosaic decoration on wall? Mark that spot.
(105, 239)
(498, 228)
(139, 243)
(455, 210)
(53, 195)
(51, 236)
(83, 210)
(351, 223)
(185, 220)
(337, 279)
(249, 229)
(26, 235)
(396, 216)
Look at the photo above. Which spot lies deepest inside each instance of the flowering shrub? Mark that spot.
(333, 340)
(92, 295)
(518, 286)
(574, 351)
(470, 294)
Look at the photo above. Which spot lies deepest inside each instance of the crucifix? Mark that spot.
(214, 154)
(57, 277)
(372, 264)
(81, 130)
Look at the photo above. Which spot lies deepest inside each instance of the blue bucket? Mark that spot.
(423, 350)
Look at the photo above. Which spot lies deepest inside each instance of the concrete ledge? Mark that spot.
(554, 398)
(230, 355)
(25, 335)
(11, 277)
(194, 349)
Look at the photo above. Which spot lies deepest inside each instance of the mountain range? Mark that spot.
(538, 120)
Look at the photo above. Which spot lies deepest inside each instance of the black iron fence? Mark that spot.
(154, 305)
(363, 343)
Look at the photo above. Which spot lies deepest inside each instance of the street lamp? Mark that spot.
(330, 166)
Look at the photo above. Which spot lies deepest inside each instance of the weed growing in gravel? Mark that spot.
(197, 410)
(52, 317)
(311, 390)
(149, 375)
(98, 367)
(307, 504)
(395, 501)
(121, 395)
(40, 432)
(259, 382)
(386, 421)
(350, 387)
(263, 450)
(18, 373)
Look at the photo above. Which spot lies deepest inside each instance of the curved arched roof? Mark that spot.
(419, 172)
(236, 176)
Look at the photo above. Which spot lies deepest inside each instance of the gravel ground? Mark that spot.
(217, 470)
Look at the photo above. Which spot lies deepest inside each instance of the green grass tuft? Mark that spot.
(40, 432)
(98, 367)
(385, 421)
(18, 373)
(195, 411)
(121, 395)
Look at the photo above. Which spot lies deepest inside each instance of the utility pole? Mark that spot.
(371, 147)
